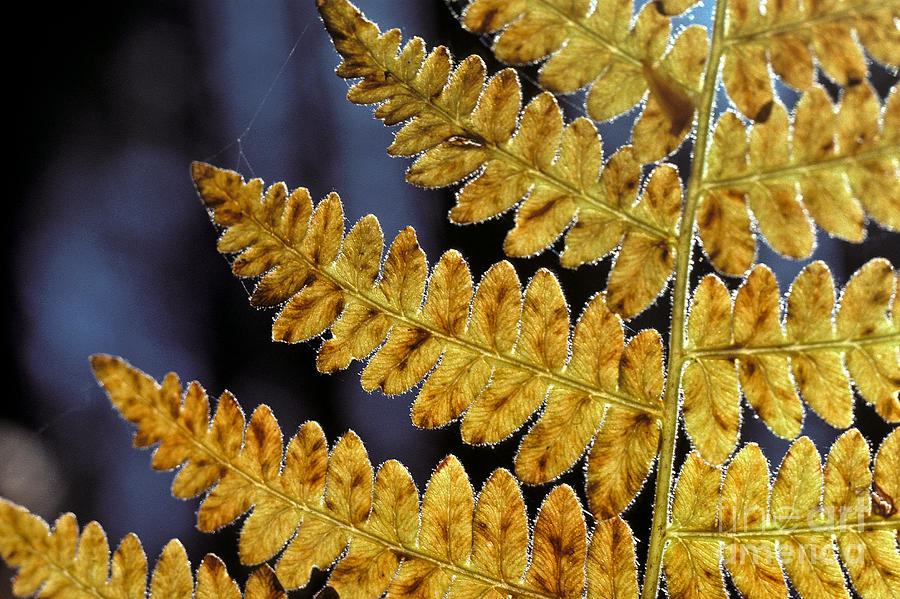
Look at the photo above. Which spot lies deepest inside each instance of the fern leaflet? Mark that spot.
(327, 501)
(835, 167)
(494, 365)
(747, 343)
(790, 34)
(597, 45)
(61, 563)
(790, 526)
(461, 126)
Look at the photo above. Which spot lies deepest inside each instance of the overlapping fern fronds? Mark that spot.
(493, 355)
(842, 164)
(497, 380)
(789, 36)
(621, 58)
(61, 563)
(322, 502)
(460, 125)
(500, 354)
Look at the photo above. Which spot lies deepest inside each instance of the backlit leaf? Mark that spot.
(775, 361)
(497, 363)
(788, 36)
(450, 545)
(62, 563)
(459, 125)
(838, 167)
(609, 562)
(598, 46)
(805, 512)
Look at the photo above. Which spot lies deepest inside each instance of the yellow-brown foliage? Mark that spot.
(756, 530)
(596, 44)
(745, 342)
(500, 353)
(326, 500)
(830, 168)
(493, 356)
(61, 563)
(460, 125)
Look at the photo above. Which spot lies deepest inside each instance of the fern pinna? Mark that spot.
(494, 355)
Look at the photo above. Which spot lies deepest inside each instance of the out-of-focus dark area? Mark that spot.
(110, 251)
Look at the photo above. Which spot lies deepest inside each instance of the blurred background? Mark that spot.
(111, 251)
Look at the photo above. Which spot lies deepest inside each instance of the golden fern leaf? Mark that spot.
(596, 45)
(497, 364)
(610, 562)
(459, 125)
(791, 527)
(834, 167)
(886, 500)
(790, 34)
(327, 502)
(61, 563)
(747, 344)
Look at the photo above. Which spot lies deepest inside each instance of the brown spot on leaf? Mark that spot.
(710, 214)
(748, 366)
(763, 114)
(485, 25)
(547, 207)
(662, 249)
(257, 429)
(421, 337)
(413, 585)
(642, 419)
(214, 565)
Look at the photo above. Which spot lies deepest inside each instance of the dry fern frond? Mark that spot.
(832, 166)
(790, 527)
(462, 125)
(325, 502)
(596, 44)
(790, 34)
(61, 563)
(811, 352)
(500, 355)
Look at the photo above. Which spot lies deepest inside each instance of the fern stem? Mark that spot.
(824, 529)
(799, 170)
(685, 247)
(840, 345)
